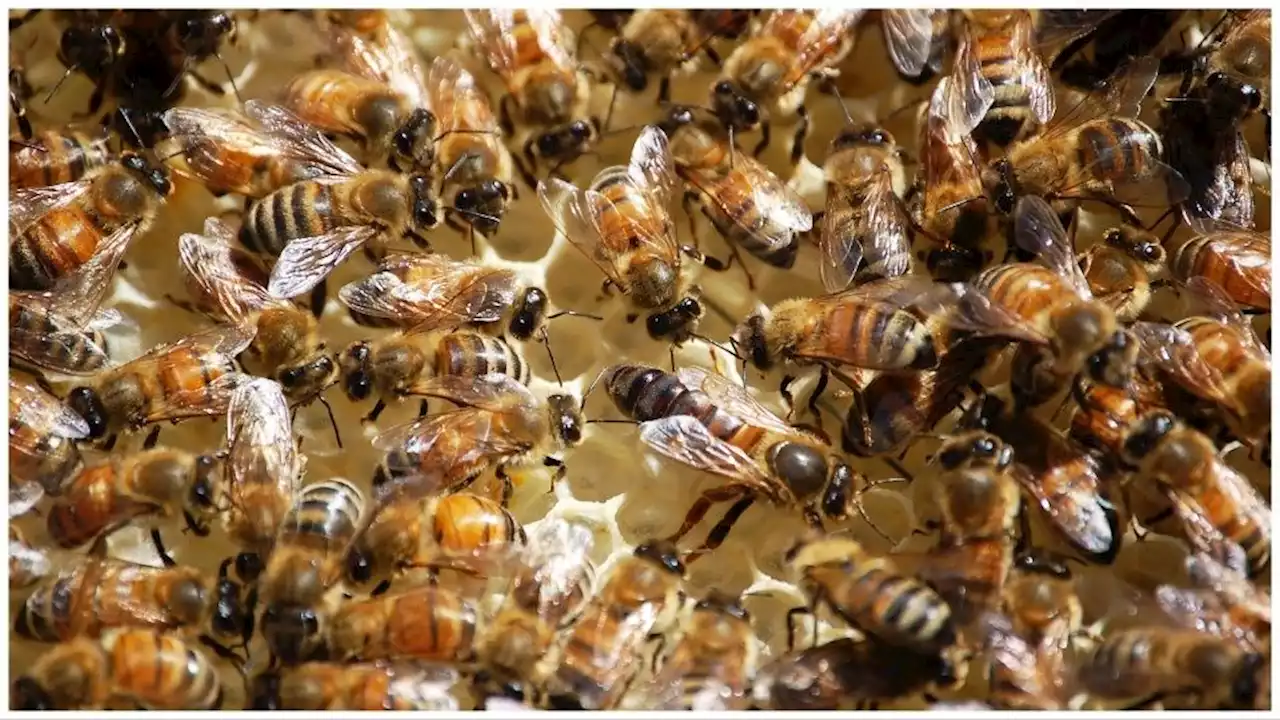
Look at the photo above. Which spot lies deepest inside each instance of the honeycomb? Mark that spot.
(623, 493)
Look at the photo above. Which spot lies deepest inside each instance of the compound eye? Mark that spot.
(724, 87)
(580, 129)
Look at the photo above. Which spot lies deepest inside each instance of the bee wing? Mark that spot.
(301, 141)
(1173, 351)
(1038, 230)
(683, 439)
(425, 687)
(827, 32)
(208, 261)
(780, 205)
(494, 392)
(456, 100)
(1204, 537)
(23, 496)
(1216, 304)
(384, 295)
(477, 294)
(66, 349)
(963, 98)
(260, 437)
(733, 399)
(30, 404)
(841, 251)
(306, 261)
(559, 554)
(1058, 28)
(884, 224)
(77, 296)
(27, 205)
(388, 57)
(554, 37)
(1074, 505)
(909, 37)
(1035, 72)
(651, 165)
(493, 32)
(214, 347)
(568, 207)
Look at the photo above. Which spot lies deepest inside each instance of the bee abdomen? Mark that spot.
(299, 210)
(475, 354)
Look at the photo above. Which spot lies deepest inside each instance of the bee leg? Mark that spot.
(1146, 703)
(504, 116)
(712, 55)
(152, 438)
(702, 505)
(721, 531)
(558, 475)
(784, 389)
(378, 407)
(195, 527)
(802, 131)
(223, 652)
(1158, 517)
(686, 204)
(791, 626)
(507, 487)
(710, 263)
(380, 589)
(765, 136)
(110, 443)
(526, 173)
(209, 85)
(422, 409)
(664, 90)
(818, 389)
(158, 542)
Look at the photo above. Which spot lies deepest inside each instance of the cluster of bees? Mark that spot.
(957, 312)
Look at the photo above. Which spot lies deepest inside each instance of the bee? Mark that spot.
(871, 595)
(438, 531)
(262, 472)
(228, 286)
(93, 43)
(548, 584)
(747, 204)
(703, 420)
(1216, 506)
(28, 564)
(767, 76)
(1164, 663)
(597, 656)
(54, 157)
(101, 593)
(391, 626)
(1237, 260)
(42, 435)
(1096, 150)
(107, 496)
(1114, 36)
(499, 424)
(863, 221)
(622, 224)
(1121, 270)
(255, 152)
(306, 560)
(57, 229)
(191, 377)
(713, 662)
(1000, 78)
(843, 673)
(146, 667)
(658, 43)
(355, 686)
(547, 94)
(1221, 603)
(1105, 413)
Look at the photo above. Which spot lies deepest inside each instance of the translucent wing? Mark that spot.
(733, 399)
(964, 97)
(260, 438)
(841, 249)
(559, 554)
(306, 261)
(31, 405)
(1058, 28)
(1174, 352)
(385, 55)
(383, 295)
(209, 262)
(27, 205)
(23, 496)
(423, 687)
(966, 307)
(215, 347)
(683, 439)
(880, 239)
(493, 32)
(1214, 302)
(1072, 502)
(652, 167)
(569, 209)
(452, 440)
(77, 296)
(478, 294)
(554, 37)
(784, 212)
(1038, 230)
(1035, 75)
(300, 140)
(909, 37)
(456, 100)
(828, 33)
(494, 392)
(1120, 96)
(1203, 536)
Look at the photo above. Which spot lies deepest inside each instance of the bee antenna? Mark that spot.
(180, 76)
(230, 78)
(848, 119)
(475, 214)
(546, 342)
(590, 389)
(713, 343)
(904, 108)
(337, 436)
(574, 313)
(958, 203)
(124, 113)
(58, 84)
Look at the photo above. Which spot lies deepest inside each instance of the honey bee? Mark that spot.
(387, 626)
(355, 686)
(705, 421)
(1216, 506)
(863, 221)
(256, 153)
(1221, 603)
(658, 43)
(92, 44)
(149, 668)
(1121, 269)
(262, 472)
(28, 564)
(191, 377)
(105, 497)
(54, 157)
(1165, 664)
(57, 229)
(1237, 260)
(228, 286)
(1001, 80)
(712, 664)
(598, 656)
(548, 96)
(767, 76)
(1105, 413)
(621, 223)
(101, 593)
(42, 435)
(747, 204)
(547, 586)
(845, 673)
(60, 329)
(499, 424)
(872, 595)
(306, 560)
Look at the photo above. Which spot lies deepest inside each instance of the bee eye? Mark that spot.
(547, 144)
(465, 198)
(291, 376)
(724, 87)
(658, 325)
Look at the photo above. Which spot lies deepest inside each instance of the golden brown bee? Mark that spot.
(191, 377)
(54, 157)
(255, 153)
(1237, 260)
(600, 653)
(105, 497)
(976, 491)
(28, 564)
(1121, 270)
(459, 529)
(59, 329)
(707, 422)
(56, 229)
(306, 560)
(863, 221)
(549, 583)
(226, 284)
(768, 74)
(392, 626)
(1000, 77)
(499, 424)
(657, 43)
(845, 673)
(746, 203)
(42, 435)
(712, 663)
(1172, 663)
(262, 472)
(548, 96)
(148, 668)
(1221, 603)
(355, 686)
(622, 223)
(101, 593)
(871, 595)
(1104, 413)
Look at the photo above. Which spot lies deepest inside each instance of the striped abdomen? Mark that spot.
(1142, 661)
(54, 246)
(589, 671)
(54, 610)
(1222, 500)
(162, 672)
(645, 393)
(182, 384)
(1115, 149)
(1031, 291)
(304, 209)
(894, 608)
(90, 505)
(734, 211)
(1002, 65)
(53, 158)
(324, 518)
(40, 456)
(874, 335)
(428, 623)
(1223, 347)
(339, 102)
(44, 338)
(464, 523)
(474, 354)
(1240, 264)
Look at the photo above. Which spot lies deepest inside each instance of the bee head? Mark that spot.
(308, 379)
(861, 137)
(732, 107)
(802, 467)
(676, 117)
(91, 49)
(154, 177)
(204, 485)
(413, 143)
(201, 35)
(483, 205)
(676, 323)
(1231, 96)
(360, 565)
(357, 373)
(1002, 185)
(976, 449)
(629, 61)
(954, 263)
(1115, 363)
(721, 602)
(1146, 435)
(751, 340)
(84, 401)
(566, 419)
(567, 142)
(248, 566)
(1082, 331)
(426, 207)
(265, 693)
(663, 553)
(531, 313)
